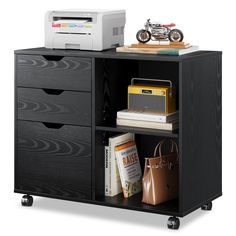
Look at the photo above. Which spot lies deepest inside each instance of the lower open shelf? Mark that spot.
(135, 203)
(146, 144)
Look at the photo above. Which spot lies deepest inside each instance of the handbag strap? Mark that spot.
(174, 144)
(159, 148)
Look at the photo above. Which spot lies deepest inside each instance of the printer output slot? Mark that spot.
(86, 19)
(73, 33)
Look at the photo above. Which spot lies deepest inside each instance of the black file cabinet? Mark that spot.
(65, 110)
(53, 125)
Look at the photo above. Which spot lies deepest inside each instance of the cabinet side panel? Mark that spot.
(201, 146)
(15, 123)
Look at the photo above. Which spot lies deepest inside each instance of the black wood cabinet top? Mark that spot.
(111, 53)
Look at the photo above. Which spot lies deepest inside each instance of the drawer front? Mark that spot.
(53, 159)
(58, 106)
(69, 73)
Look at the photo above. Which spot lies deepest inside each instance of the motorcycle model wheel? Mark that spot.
(143, 36)
(176, 35)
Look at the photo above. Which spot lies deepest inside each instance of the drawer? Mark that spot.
(58, 106)
(56, 72)
(54, 159)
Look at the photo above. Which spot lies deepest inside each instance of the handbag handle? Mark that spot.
(155, 80)
(159, 148)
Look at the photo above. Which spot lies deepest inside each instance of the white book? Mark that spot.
(146, 115)
(147, 124)
(107, 170)
(115, 187)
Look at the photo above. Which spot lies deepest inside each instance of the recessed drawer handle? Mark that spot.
(52, 125)
(53, 91)
(52, 58)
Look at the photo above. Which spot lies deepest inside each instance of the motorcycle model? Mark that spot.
(157, 32)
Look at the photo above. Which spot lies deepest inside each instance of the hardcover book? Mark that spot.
(147, 115)
(148, 124)
(129, 168)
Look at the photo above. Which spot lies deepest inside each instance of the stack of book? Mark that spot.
(162, 47)
(147, 119)
(122, 167)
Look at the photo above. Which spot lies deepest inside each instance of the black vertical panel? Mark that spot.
(111, 87)
(15, 123)
(201, 151)
(93, 131)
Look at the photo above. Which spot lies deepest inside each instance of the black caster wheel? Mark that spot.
(27, 200)
(207, 206)
(173, 223)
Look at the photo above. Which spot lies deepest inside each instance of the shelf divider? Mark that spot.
(137, 130)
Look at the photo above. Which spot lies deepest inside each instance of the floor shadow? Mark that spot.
(110, 214)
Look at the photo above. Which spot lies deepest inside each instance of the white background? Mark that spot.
(209, 24)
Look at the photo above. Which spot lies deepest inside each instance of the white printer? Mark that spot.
(84, 29)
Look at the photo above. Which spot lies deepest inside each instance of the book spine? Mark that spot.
(122, 179)
(109, 171)
(107, 176)
(172, 51)
(112, 172)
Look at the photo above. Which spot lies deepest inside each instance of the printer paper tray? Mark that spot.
(73, 41)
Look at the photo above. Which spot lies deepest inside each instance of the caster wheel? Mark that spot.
(173, 223)
(27, 200)
(207, 206)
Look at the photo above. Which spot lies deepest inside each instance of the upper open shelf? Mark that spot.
(113, 76)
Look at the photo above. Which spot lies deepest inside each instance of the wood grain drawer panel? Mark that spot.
(66, 107)
(68, 73)
(55, 161)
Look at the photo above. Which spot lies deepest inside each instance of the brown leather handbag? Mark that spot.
(160, 178)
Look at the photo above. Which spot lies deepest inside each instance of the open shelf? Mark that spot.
(136, 130)
(146, 141)
(113, 78)
(135, 203)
